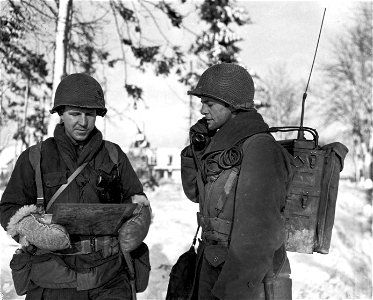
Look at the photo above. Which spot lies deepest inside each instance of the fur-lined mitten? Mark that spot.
(27, 222)
(134, 230)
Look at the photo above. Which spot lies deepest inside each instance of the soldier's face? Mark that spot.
(79, 122)
(215, 112)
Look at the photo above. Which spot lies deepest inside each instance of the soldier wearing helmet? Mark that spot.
(74, 266)
(238, 174)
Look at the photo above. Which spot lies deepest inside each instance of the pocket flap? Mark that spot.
(107, 167)
(55, 178)
(215, 254)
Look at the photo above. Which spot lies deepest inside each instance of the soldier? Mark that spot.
(238, 174)
(63, 266)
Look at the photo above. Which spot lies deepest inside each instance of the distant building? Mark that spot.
(154, 164)
(167, 164)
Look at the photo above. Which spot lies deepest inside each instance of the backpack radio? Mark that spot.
(312, 193)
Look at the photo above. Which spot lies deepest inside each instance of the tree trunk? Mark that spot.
(356, 153)
(368, 161)
(371, 155)
(25, 143)
(59, 70)
(363, 161)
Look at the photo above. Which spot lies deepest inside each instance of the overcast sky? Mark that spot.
(287, 32)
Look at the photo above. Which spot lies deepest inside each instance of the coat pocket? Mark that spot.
(52, 182)
(55, 179)
(215, 254)
(21, 267)
(142, 267)
(52, 274)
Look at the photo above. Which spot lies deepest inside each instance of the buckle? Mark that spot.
(92, 243)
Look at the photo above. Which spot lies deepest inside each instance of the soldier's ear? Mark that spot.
(233, 110)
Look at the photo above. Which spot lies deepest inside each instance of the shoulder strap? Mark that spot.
(34, 157)
(62, 187)
(113, 151)
(260, 133)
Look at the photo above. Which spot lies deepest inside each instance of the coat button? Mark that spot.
(250, 284)
(215, 259)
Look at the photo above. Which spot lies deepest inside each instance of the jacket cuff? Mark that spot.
(189, 178)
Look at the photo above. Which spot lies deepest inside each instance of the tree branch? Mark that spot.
(120, 40)
(155, 21)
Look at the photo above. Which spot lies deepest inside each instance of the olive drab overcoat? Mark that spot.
(240, 205)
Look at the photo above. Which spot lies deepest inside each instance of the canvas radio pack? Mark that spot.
(312, 194)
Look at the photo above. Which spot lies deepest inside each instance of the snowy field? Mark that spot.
(344, 273)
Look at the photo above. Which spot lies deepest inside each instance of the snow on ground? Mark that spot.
(7, 248)
(344, 273)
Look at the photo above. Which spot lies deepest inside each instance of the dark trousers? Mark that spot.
(116, 289)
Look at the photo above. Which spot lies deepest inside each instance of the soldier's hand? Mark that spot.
(200, 135)
(28, 224)
(48, 237)
(140, 199)
(134, 230)
(200, 127)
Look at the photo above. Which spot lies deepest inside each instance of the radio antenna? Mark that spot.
(301, 132)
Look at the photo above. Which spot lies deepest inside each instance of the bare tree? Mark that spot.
(277, 99)
(60, 52)
(349, 78)
(23, 75)
(64, 11)
(67, 33)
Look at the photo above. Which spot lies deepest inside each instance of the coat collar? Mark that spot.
(244, 124)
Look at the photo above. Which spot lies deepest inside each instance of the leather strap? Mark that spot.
(113, 152)
(214, 224)
(62, 187)
(131, 273)
(34, 157)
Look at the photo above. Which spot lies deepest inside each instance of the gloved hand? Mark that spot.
(134, 230)
(200, 135)
(27, 222)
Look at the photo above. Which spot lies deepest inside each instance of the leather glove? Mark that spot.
(28, 223)
(200, 135)
(134, 230)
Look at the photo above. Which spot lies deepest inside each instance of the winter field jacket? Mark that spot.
(250, 196)
(59, 159)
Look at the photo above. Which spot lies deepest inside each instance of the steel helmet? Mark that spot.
(80, 90)
(229, 83)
